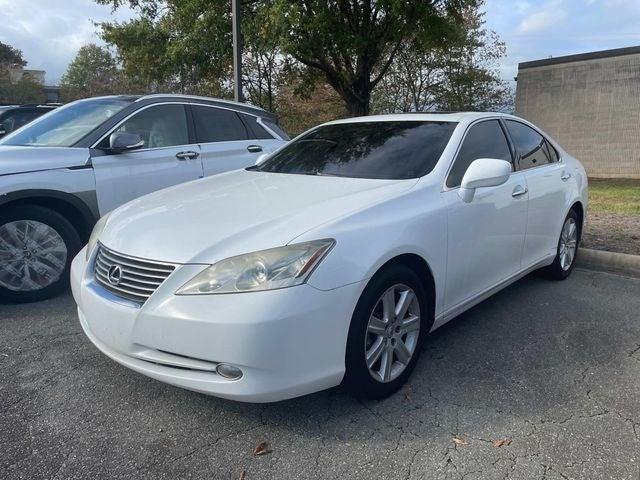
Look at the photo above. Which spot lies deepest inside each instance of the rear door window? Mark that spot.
(276, 128)
(483, 140)
(217, 125)
(532, 147)
(256, 131)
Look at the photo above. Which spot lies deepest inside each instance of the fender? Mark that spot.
(85, 202)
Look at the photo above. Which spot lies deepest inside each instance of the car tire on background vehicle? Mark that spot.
(368, 337)
(39, 241)
(567, 251)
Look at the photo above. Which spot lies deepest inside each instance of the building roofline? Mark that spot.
(616, 52)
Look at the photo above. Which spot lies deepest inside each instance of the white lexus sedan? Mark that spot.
(332, 259)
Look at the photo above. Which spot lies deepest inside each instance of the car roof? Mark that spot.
(220, 102)
(422, 117)
(159, 97)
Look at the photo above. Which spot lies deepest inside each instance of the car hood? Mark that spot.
(34, 159)
(236, 212)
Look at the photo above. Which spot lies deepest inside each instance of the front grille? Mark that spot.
(136, 279)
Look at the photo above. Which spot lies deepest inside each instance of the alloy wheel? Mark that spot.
(568, 243)
(33, 255)
(392, 333)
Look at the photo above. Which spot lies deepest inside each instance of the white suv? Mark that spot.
(60, 173)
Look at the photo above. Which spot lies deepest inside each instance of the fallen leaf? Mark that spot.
(459, 441)
(407, 393)
(243, 475)
(502, 443)
(261, 449)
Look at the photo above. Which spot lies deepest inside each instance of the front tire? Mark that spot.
(386, 333)
(567, 251)
(37, 246)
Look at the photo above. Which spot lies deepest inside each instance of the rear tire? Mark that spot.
(377, 329)
(567, 250)
(37, 246)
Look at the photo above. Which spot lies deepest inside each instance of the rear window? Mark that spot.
(256, 131)
(383, 150)
(276, 128)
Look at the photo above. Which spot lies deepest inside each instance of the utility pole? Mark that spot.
(237, 51)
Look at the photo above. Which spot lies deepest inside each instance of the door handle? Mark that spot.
(565, 176)
(519, 191)
(254, 148)
(190, 155)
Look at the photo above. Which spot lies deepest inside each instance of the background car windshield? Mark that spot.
(66, 125)
(383, 150)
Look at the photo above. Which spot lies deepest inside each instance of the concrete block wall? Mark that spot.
(590, 104)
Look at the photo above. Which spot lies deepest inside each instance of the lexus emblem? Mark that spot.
(114, 275)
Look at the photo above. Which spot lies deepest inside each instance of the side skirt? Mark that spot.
(473, 301)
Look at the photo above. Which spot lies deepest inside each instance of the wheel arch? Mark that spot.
(579, 209)
(70, 206)
(420, 267)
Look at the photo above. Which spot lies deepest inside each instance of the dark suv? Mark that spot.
(13, 117)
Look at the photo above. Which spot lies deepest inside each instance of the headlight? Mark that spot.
(265, 270)
(95, 234)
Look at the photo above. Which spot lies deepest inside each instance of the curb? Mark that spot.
(599, 260)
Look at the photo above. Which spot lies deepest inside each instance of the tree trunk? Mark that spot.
(356, 107)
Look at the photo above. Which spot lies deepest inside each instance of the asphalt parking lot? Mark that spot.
(551, 368)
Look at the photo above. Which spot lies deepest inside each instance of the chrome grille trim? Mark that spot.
(139, 279)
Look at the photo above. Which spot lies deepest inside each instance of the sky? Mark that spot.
(50, 32)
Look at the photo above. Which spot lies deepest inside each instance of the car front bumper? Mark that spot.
(286, 342)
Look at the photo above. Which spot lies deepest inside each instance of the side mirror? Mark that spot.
(484, 172)
(123, 141)
(3, 130)
(262, 158)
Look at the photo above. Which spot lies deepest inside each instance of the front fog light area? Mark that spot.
(228, 371)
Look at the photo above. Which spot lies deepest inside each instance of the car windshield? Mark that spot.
(64, 126)
(380, 150)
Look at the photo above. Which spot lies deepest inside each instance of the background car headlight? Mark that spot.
(95, 234)
(264, 270)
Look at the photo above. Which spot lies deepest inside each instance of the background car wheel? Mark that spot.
(565, 260)
(37, 246)
(386, 332)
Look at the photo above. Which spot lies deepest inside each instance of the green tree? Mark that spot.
(93, 71)
(175, 45)
(411, 84)
(354, 42)
(471, 68)
(26, 89)
(10, 56)
(463, 75)
(186, 44)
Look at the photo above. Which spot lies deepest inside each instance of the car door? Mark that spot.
(167, 157)
(537, 159)
(227, 142)
(485, 236)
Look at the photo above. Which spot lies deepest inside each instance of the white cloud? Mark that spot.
(522, 7)
(542, 20)
(50, 34)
